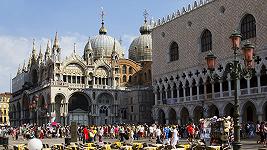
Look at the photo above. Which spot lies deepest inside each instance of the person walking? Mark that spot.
(175, 137)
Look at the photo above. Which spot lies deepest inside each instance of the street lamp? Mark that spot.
(236, 72)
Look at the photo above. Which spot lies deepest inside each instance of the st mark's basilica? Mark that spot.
(100, 86)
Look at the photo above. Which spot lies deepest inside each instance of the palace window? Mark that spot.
(248, 27)
(124, 69)
(174, 52)
(206, 41)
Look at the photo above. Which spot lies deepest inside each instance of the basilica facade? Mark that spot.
(183, 87)
(98, 87)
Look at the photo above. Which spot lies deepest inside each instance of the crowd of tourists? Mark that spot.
(29, 131)
(160, 134)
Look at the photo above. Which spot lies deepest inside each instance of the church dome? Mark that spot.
(141, 47)
(103, 44)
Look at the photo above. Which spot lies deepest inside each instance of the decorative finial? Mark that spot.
(114, 45)
(74, 47)
(102, 30)
(56, 43)
(33, 44)
(102, 15)
(145, 15)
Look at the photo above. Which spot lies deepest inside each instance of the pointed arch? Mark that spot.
(161, 115)
(213, 111)
(229, 110)
(198, 113)
(184, 114)
(249, 112)
(172, 116)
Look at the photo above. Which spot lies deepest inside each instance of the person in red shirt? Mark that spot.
(191, 131)
(85, 135)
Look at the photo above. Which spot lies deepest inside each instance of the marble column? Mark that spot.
(178, 94)
(205, 91)
(248, 86)
(197, 85)
(171, 92)
(212, 89)
(184, 93)
(259, 83)
(229, 87)
(221, 88)
(160, 96)
(156, 98)
(190, 87)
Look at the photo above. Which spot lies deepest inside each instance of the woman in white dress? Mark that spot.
(175, 137)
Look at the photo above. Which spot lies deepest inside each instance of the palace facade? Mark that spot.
(183, 88)
(99, 87)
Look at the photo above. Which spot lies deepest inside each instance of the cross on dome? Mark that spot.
(145, 15)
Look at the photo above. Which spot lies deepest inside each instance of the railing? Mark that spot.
(264, 89)
(209, 96)
(72, 85)
(254, 90)
(194, 97)
(243, 91)
(216, 95)
(59, 83)
(225, 93)
(188, 98)
(202, 96)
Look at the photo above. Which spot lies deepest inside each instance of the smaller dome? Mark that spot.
(145, 29)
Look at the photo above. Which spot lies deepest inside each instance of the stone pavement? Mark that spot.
(248, 144)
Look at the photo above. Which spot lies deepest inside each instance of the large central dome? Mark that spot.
(103, 44)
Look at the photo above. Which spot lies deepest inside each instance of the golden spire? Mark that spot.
(102, 30)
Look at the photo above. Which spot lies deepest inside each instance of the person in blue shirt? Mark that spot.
(166, 132)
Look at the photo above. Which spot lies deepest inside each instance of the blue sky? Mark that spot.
(74, 20)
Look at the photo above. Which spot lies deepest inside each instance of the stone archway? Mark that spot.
(213, 111)
(229, 110)
(172, 116)
(106, 110)
(25, 108)
(249, 112)
(198, 113)
(79, 108)
(42, 110)
(161, 115)
(184, 116)
(59, 107)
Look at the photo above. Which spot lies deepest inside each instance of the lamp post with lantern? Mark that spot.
(236, 71)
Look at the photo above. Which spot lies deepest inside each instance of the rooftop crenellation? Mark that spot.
(181, 12)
